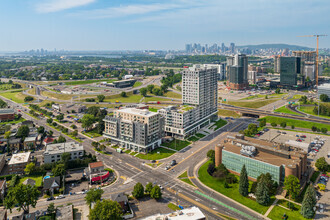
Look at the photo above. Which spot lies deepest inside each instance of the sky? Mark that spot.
(159, 24)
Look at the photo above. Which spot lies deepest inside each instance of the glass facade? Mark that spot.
(254, 167)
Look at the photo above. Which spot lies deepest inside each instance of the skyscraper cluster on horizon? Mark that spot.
(198, 48)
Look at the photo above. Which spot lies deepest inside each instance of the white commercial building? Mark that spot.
(199, 97)
(192, 213)
(54, 152)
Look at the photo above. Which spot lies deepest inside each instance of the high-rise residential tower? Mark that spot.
(290, 67)
(237, 70)
(199, 97)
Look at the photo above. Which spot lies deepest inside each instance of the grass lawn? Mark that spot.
(154, 165)
(92, 133)
(296, 97)
(82, 82)
(153, 109)
(63, 96)
(127, 151)
(193, 138)
(296, 123)
(278, 212)
(152, 99)
(314, 176)
(137, 84)
(15, 121)
(228, 113)
(220, 123)
(255, 104)
(231, 192)
(154, 155)
(187, 180)
(176, 144)
(200, 135)
(184, 175)
(16, 96)
(173, 207)
(32, 91)
(284, 109)
(174, 95)
(309, 110)
(38, 179)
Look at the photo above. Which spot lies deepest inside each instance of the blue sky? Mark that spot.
(158, 24)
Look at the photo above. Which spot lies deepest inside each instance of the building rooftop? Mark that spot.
(192, 213)
(140, 112)
(64, 212)
(324, 86)
(96, 164)
(6, 111)
(28, 139)
(19, 158)
(63, 147)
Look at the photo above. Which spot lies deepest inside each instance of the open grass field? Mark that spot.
(228, 113)
(254, 104)
(174, 95)
(278, 212)
(264, 96)
(61, 96)
(309, 110)
(296, 123)
(284, 109)
(38, 179)
(137, 84)
(154, 155)
(231, 192)
(16, 96)
(8, 86)
(83, 82)
(32, 91)
(176, 144)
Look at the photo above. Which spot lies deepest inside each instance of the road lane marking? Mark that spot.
(134, 167)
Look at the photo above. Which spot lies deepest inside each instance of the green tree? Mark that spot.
(138, 191)
(28, 99)
(123, 94)
(273, 124)
(41, 129)
(262, 122)
(93, 195)
(324, 130)
(65, 157)
(30, 168)
(278, 91)
(101, 98)
(49, 120)
(156, 192)
(23, 131)
(211, 155)
(283, 124)
(102, 147)
(292, 185)
(303, 99)
(157, 92)
(74, 133)
(22, 196)
(292, 126)
(243, 182)
(262, 193)
(61, 139)
(59, 170)
(148, 188)
(321, 164)
(7, 136)
(308, 203)
(143, 92)
(50, 133)
(324, 97)
(314, 128)
(106, 209)
(51, 210)
(60, 117)
(164, 88)
(87, 121)
(150, 88)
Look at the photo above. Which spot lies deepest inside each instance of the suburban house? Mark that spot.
(47, 140)
(2, 161)
(52, 185)
(15, 144)
(3, 187)
(18, 162)
(7, 114)
(29, 142)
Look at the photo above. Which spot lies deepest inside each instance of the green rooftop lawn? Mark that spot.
(296, 123)
(176, 144)
(284, 109)
(153, 155)
(231, 192)
(153, 109)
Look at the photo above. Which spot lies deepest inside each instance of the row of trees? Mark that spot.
(322, 110)
(153, 191)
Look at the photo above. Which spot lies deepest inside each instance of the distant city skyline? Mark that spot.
(80, 25)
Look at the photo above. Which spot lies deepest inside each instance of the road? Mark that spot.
(132, 170)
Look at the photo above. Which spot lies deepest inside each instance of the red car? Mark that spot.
(325, 175)
(303, 136)
(299, 140)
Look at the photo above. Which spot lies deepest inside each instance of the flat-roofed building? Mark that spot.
(135, 129)
(260, 157)
(18, 162)
(54, 152)
(192, 213)
(7, 114)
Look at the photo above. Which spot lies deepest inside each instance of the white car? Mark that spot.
(60, 197)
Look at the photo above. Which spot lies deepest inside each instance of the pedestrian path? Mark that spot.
(270, 208)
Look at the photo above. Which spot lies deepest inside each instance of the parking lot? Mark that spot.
(282, 136)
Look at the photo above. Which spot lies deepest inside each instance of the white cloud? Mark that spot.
(59, 5)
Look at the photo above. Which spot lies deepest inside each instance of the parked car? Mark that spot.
(166, 168)
(50, 198)
(299, 140)
(303, 136)
(173, 162)
(60, 197)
